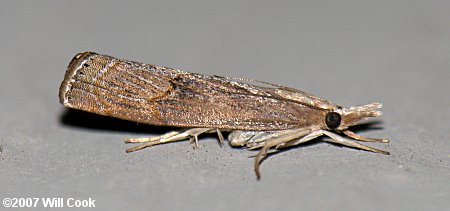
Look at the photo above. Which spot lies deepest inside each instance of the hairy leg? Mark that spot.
(168, 137)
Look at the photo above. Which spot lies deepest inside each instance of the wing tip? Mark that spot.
(69, 77)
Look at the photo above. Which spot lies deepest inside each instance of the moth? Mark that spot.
(257, 115)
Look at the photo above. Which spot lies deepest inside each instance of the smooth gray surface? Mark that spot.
(351, 52)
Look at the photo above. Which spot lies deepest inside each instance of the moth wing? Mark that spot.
(285, 92)
(164, 96)
(105, 85)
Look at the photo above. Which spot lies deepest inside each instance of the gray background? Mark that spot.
(350, 52)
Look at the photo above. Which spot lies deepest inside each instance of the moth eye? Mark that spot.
(333, 120)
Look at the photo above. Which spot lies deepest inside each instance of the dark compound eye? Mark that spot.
(333, 120)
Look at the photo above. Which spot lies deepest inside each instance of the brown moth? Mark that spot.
(257, 114)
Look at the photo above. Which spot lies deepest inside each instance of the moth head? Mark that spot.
(342, 118)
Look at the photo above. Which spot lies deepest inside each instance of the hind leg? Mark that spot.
(168, 137)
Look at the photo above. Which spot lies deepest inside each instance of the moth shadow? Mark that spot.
(89, 121)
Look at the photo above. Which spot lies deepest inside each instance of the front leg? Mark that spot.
(303, 135)
(363, 138)
(335, 138)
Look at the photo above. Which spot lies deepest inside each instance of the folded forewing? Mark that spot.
(163, 96)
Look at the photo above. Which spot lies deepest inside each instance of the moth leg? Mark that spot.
(150, 139)
(243, 137)
(219, 134)
(194, 140)
(311, 136)
(340, 140)
(258, 140)
(293, 134)
(363, 138)
(168, 137)
(261, 154)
